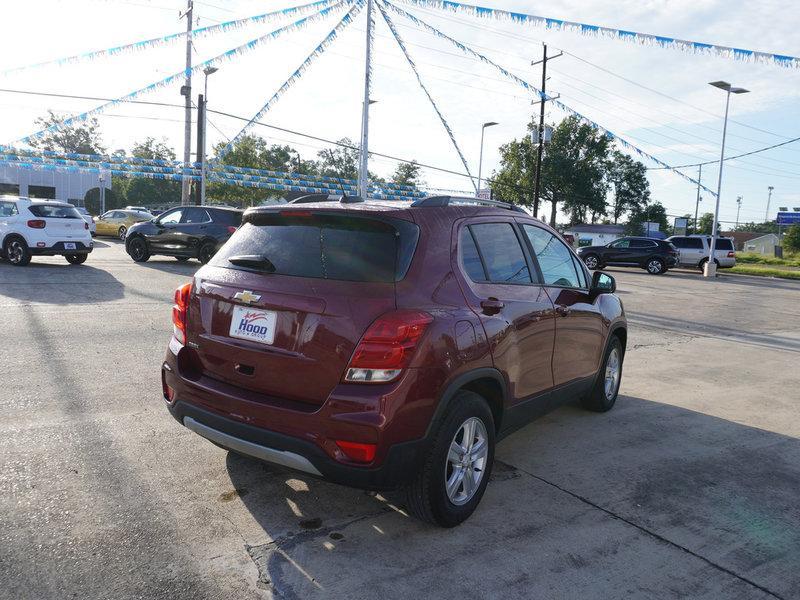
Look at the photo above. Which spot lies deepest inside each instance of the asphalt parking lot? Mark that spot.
(688, 488)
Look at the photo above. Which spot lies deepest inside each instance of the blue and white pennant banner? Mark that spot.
(586, 29)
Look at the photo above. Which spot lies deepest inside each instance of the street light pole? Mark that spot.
(710, 269)
(480, 159)
(186, 90)
(203, 162)
(697, 202)
(738, 208)
(363, 161)
(769, 199)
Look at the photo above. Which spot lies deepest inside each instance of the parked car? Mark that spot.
(137, 208)
(88, 218)
(117, 222)
(184, 232)
(389, 345)
(694, 250)
(42, 228)
(654, 256)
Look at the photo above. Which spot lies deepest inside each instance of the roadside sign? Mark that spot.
(788, 218)
(485, 194)
(681, 225)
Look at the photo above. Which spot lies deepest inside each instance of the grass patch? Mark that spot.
(751, 258)
(764, 271)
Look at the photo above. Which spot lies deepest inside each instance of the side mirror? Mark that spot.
(603, 283)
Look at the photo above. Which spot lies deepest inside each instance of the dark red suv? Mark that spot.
(388, 346)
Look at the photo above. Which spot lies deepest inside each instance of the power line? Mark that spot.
(733, 157)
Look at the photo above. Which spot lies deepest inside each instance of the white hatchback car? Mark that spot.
(44, 228)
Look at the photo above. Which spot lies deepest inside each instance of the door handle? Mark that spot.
(491, 306)
(562, 309)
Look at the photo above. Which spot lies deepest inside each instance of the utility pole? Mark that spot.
(363, 163)
(769, 199)
(201, 113)
(697, 202)
(540, 132)
(186, 91)
(738, 208)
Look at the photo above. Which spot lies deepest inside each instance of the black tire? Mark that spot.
(76, 259)
(602, 397)
(703, 262)
(181, 258)
(426, 497)
(594, 260)
(206, 252)
(138, 250)
(655, 266)
(122, 232)
(16, 251)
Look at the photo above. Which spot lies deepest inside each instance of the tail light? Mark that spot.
(387, 347)
(180, 312)
(85, 225)
(357, 452)
(231, 229)
(731, 254)
(37, 223)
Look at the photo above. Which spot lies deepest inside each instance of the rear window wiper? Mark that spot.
(253, 261)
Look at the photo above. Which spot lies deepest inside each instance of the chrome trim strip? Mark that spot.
(278, 457)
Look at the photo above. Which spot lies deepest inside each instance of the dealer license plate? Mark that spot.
(252, 324)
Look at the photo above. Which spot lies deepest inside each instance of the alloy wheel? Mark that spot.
(466, 461)
(612, 374)
(122, 233)
(654, 267)
(15, 252)
(591, 262)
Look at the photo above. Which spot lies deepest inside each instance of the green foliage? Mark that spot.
(141, 191)
(791, 239)
(763, 271)
(408, 174)
(768, 227)
(515, 180)
(789, 259)
(629, 180)
(81, 138)
(705, 223)
(653, 213)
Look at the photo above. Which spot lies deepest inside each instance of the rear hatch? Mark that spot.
(284, 302)
(62, 222)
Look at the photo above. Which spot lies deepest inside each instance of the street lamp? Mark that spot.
(710, 269)
(480, 160)
(207, 71)
(738, 208)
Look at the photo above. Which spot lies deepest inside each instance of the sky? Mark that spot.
(656, 98)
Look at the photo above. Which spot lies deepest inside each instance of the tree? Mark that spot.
(144, 191)
(631, 187)
(341, 161)
(574, 170)
(791, 239)
(652, 213)
(705, 223)
(408, 174)
(515, 180)
(81, 138)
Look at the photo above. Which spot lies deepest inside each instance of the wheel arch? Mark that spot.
(10, 236)
(486, 382)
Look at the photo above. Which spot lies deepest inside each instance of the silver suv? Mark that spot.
(694, 250)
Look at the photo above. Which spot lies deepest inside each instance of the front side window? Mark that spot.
(555, 259)
(501, 252)
(171, 218)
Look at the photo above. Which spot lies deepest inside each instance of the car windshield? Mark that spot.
(54, 211)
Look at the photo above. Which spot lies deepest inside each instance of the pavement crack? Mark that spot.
(649, 532)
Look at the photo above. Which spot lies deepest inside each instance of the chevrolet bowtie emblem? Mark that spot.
(247, 297)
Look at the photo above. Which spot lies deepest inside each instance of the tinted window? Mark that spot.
(643, 244)
(582, 278)
(325, 246)
(501, 252)
(471, 260)
(555, 259)
(172, 217)
(54, 211)
(688, 243)
(8, 209)
(232, 218)
(195, 215)
(723, 244)
(621, 244)
(117, 214)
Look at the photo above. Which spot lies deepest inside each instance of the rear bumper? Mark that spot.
(401, 463)
(59, 248)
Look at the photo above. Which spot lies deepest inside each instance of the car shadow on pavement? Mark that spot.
(645, 498)
(170, 265)
(51, 283)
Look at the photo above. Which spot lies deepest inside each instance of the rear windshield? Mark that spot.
(54, 211)
(323, 246)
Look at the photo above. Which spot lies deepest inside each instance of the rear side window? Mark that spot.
(688, 243)
(502, 255)
(231, 218)
(471, 259)
(54, 211)
(195, 215)
(324, 246)
(643, 244)
(723, 244)
(555, 259)
(8, 209)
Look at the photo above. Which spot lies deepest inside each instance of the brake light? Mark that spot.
(731, 254)
(295, 213)
(231, 229)
(37, 223)
(357, 452)
(85, 225)
(387, 347)
(180, 312)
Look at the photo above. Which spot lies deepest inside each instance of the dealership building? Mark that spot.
(46, 184)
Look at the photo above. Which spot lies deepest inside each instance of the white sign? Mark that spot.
(252, 324)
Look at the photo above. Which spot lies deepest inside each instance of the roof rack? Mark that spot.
(326, 198)
(436, 201)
